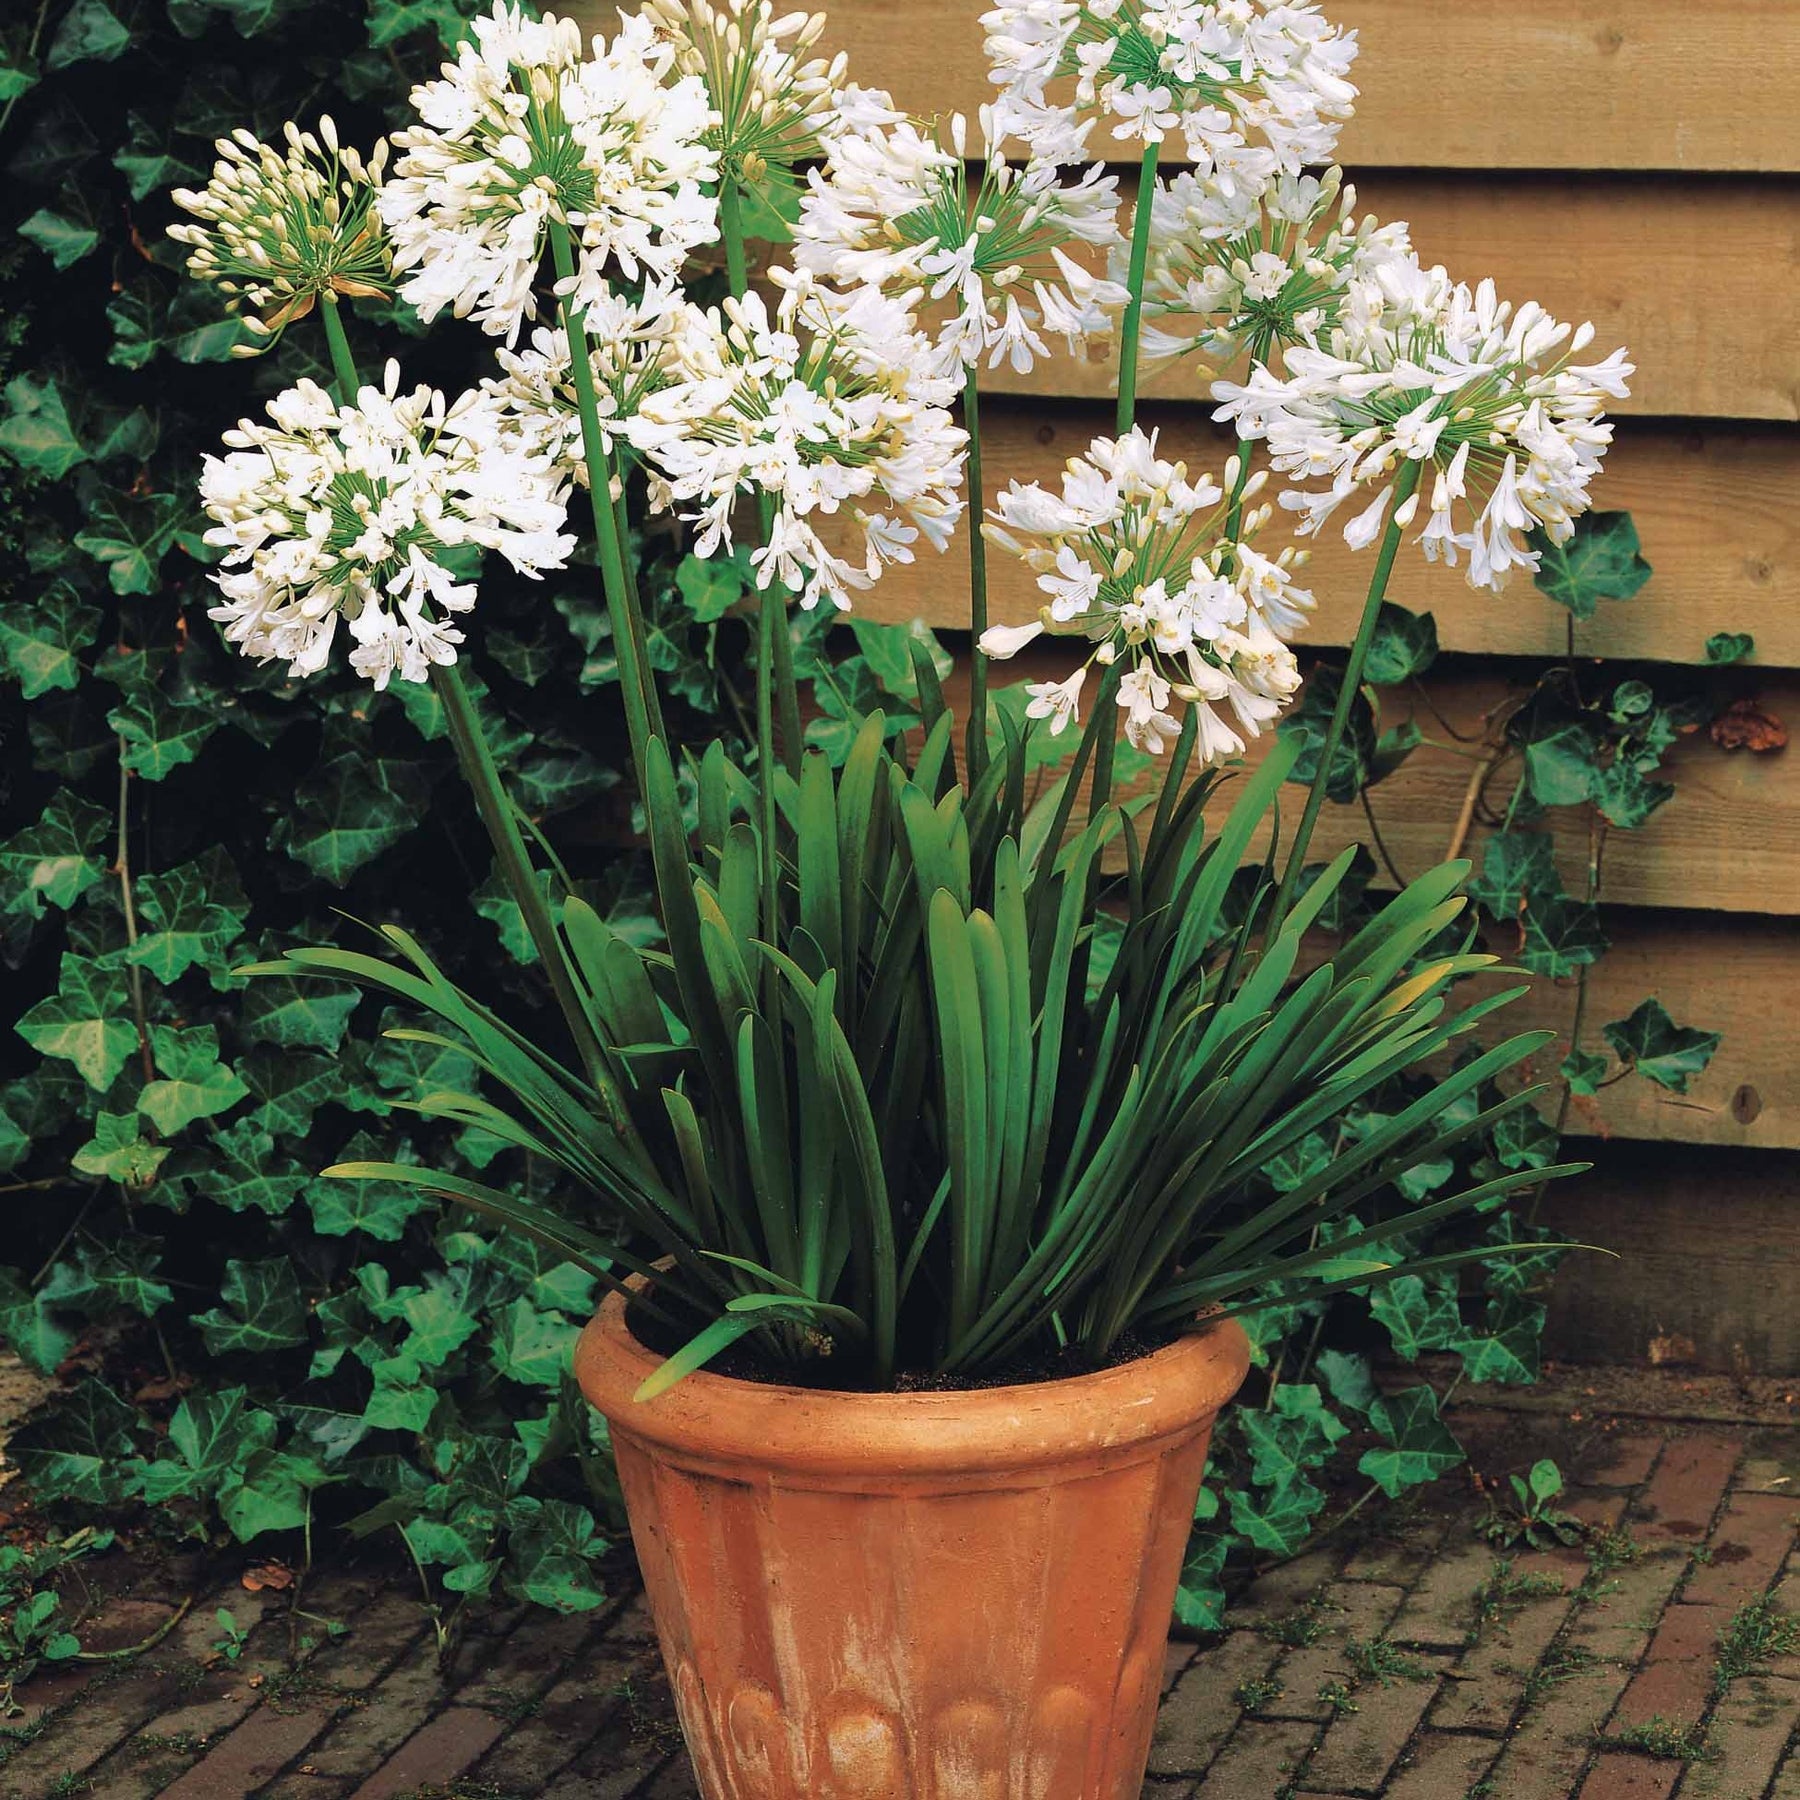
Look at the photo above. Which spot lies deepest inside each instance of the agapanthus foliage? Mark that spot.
(278, 228)
(828, 403)
(1249, 88)
(1134, 556)
(894, 206)
(523, 128)
(356, 513)
(1427, 379)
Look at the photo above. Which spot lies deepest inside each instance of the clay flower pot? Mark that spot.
(955, 1596)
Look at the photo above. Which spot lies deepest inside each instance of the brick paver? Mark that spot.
(1415, 1662)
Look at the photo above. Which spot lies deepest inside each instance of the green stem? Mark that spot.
(977, 743)
(343, 364)
(1132, 329)
(482, 773)
(643, 716)
(1404, 489)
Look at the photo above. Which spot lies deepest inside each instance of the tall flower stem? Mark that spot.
(475, 757)
(977, 743)
(643, 716)
(1131, 331)
(1404, 489)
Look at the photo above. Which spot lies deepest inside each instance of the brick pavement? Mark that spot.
(1415, 1663)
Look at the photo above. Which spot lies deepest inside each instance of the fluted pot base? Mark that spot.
(955, 1596)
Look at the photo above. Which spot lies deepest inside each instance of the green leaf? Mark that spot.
(65, 241)
(1561, 937)
(1417, 1318)
(533, 1347)
(211, 1438)
(151, 161)
(36, 432)
(246, 1173)
(1405, 646)
(1279, 1522)
(550, 1560)
(1511, 1353)
(1308, 725)
(41, 639)
(1727, 647)
(90, 31)
(269, 1493)
(1525, 1139)
(289, 1088)
(263, 1310)
(1561, 767)
(1584, 1072)
(55, 861)
(1200, 1599)
(87, 1021)
(129, 538)
(297, 1014)
(77, 1449)
(28, 1324)
(1626, 797)
(1602, 561)
(14, 80)
(194, 1084)
(189, 916)
(349, 810)
(1517, 868)
(1349, 1377)
(389, 21)
(379, 1209)
(441, 1321)
(1651, 1042)
(493, 901)
(713, 585)
(1296, 1433)
(1417, 1446)
(118, 1151)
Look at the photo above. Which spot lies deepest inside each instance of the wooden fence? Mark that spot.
(1637, 163)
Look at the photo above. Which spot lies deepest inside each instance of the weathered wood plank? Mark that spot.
(1534, 84)
(1707, 1260)
(1715, 508)
(1619, 251)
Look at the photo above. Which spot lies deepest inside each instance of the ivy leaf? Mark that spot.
(36, 432)
(54, 862)
(40, 639)
(245, 1173)
(77, 1449)
(1626, 798)
(14, 80)
(289, 1088)
(1417, 1446)
(1518, 868)
(888, 650)
(1309, 723)
(379, 1209)
(195, 1084)
(129, 538)
(1526, 1140)
(349, 810)
(150, 162)
(1602, 561)
(118, 1151)
(1727, 647)
(210, 1439)
(86, 1021)
(1651, 1042)
(391, 20)
(1584, 1071)
(1200, 1599)
(1295, 1434)
(442, 1321)
(191, 915)
(493, 901)
(713, 585)
(536, 1347)
(1405, 645)
(1349, 1377)
(547, 781)
(90, 31)
(1279, 1522)
(1560, 767)
(1417, 1318)
(270, 1494)
(1511, 1351)
(550, 1561)
(28, 1324)
(1561, 937)
(293, 1014)
(263, 1309)
(64, 240)
(68, 737)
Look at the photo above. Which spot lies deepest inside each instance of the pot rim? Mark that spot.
(714, 1419)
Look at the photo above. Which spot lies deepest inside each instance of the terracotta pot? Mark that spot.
(958, 1596)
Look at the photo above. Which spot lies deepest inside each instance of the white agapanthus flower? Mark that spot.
(773, 105)
(1234, 274)
(280, 227)
(637, 348)
(1507, 427)
(1131, 556)
(827, 404)
(329, 513)
(522, 128)
(894, 207)
(1252, 88)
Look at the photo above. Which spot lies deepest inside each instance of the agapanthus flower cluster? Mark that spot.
(354, 513)
(1505, 425)
(894, 207)
(771, 108)
(638, 347)
(827, 404)
(522, 128)
(1234, 274)
(280, 227)
(1253, 88)
(1133, 556)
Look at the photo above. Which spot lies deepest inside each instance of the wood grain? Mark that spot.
(1712, 334)
(1715, 508)
(1532, 84)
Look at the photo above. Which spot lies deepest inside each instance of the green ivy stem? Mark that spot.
(643, 716)
(122, 868)
(475, 756)
(1131, 330)
(1404, 488)
(977, 744)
